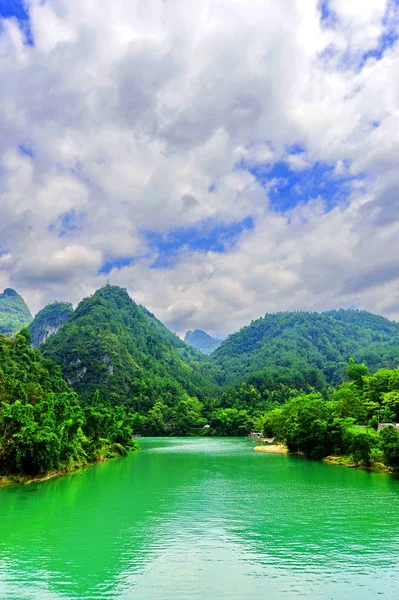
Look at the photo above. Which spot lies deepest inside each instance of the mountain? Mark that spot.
(14, 313)
(48, 321)
(293, 346)
(113, 345)
(202, 341)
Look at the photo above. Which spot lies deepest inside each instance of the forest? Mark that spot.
(346, 422)
(43, 426)
(319, 383)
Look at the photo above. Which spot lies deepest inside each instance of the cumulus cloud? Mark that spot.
(120, 118)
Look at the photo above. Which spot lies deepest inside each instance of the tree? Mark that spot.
(389, 444)
(357, 372)
(360, 444)
(231, 422)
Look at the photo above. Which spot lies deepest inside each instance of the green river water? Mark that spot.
(199, 518)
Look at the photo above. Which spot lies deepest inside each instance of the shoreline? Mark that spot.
(272, 449)
(346, 461)
(341, 461)
(7, 480)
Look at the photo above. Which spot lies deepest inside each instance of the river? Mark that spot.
(200, 518)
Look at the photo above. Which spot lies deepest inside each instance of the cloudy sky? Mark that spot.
(218, 158)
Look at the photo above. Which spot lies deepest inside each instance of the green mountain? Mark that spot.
(113, 345)
(42, 425)
(14, 313)
(202, 341)
(297, 347)
(48, 321)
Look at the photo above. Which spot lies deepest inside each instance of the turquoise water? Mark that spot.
(202, 518)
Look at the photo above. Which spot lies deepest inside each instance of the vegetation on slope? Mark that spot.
(48, 321)
(302, 348)
(43, 427)
(202, 341)
(117, 347)
(14, 313)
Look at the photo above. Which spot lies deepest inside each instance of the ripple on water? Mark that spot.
(193, 518)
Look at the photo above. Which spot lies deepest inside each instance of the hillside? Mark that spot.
(288, 345)
(14, 313)
(48, 321)
(42, 425)
(113, 345)
(202, 341)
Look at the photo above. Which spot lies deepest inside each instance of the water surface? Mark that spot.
(193, 518)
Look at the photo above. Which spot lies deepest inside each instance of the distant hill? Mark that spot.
(202, 341)
(14, 313)
(113, 345)
(291, 345)
(48, 321)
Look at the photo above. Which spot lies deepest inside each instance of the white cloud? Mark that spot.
(298, 162)
(134, 116)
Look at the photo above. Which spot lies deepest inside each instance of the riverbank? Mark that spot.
(20, 479)
(342, 461)
(272, 449)
(347, 461)
(6, 480)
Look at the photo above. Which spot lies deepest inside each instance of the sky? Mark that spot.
(220, 159)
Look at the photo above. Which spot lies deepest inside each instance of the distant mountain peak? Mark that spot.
(202, 341)
(113, 345)
(14, 313)
(9, 293)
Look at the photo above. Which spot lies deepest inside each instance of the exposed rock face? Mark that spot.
(202, 341)
(48, 321)
(80, 373)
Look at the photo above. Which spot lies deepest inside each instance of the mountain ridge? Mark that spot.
(324, 341)
(114, 345)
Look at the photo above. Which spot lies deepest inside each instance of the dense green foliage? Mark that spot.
(14, 314)
(202, 341)
(117, 347)
(48, 321)
(345, 423)
(302, 349)
(43, 427)
(275, 375)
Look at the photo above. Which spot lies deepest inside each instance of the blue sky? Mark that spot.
(16, 8)
(207, 236)
(13, 8)
(287, 186)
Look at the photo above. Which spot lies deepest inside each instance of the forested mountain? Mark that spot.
(298, 347)
(42, 425)
(48, 321)
(14, 313)
(202, 341)
(117, 347)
